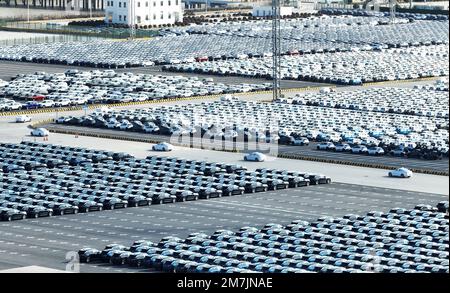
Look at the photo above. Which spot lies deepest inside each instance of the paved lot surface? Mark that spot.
(9, 69)
(46, 241)
(307, 151)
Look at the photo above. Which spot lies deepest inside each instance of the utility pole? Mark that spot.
(276, 49)
(132, 16)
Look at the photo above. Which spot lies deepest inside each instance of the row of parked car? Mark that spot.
(416, 152)
(398, 241)
(368, 12)
(351, 68)
(336, 36)
(408, 101)
(332, 33)
(74, 87)
(235, 120)
(438, 85)
(38, 180)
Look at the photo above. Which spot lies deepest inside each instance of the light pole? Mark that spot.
(132, 20)
(276, 50)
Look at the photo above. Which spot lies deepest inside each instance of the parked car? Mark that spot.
(359, 149)
(375, 151)
(300, 141)
(87, 255)
(326, 146)
(342, 147)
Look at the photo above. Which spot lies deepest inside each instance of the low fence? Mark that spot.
(74, 32)
(36, 39)
(21, 14)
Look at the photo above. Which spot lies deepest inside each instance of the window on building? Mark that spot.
(124, 18)
(120, 17)
(146, 17)
(139, 4)
(112, 3)
(107, 3)
(169, 4)
(162, 15)
(120, 4)
(154, 3)
(146, 4)
(169, 15)
(162, 3)
(154, 16)
(124, 4)
(176, 2)
(138, 19)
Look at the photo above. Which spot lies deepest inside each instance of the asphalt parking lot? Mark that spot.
(307, 151)
(9, 69)
(46, 241)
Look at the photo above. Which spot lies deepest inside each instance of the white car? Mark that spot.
(401, 173)
(255, 157)
(40, 132)
(47, 104)
(326, 146)
(300, 141)
(23, 119)
(343, 147)
(375, 151)
(359, 149)
(162, 147)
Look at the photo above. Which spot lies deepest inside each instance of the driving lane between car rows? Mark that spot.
(45, 241)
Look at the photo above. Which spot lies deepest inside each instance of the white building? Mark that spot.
(261, 11)
(147, 12)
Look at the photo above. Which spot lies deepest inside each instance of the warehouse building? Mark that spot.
(146, 12)
(261, 11)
